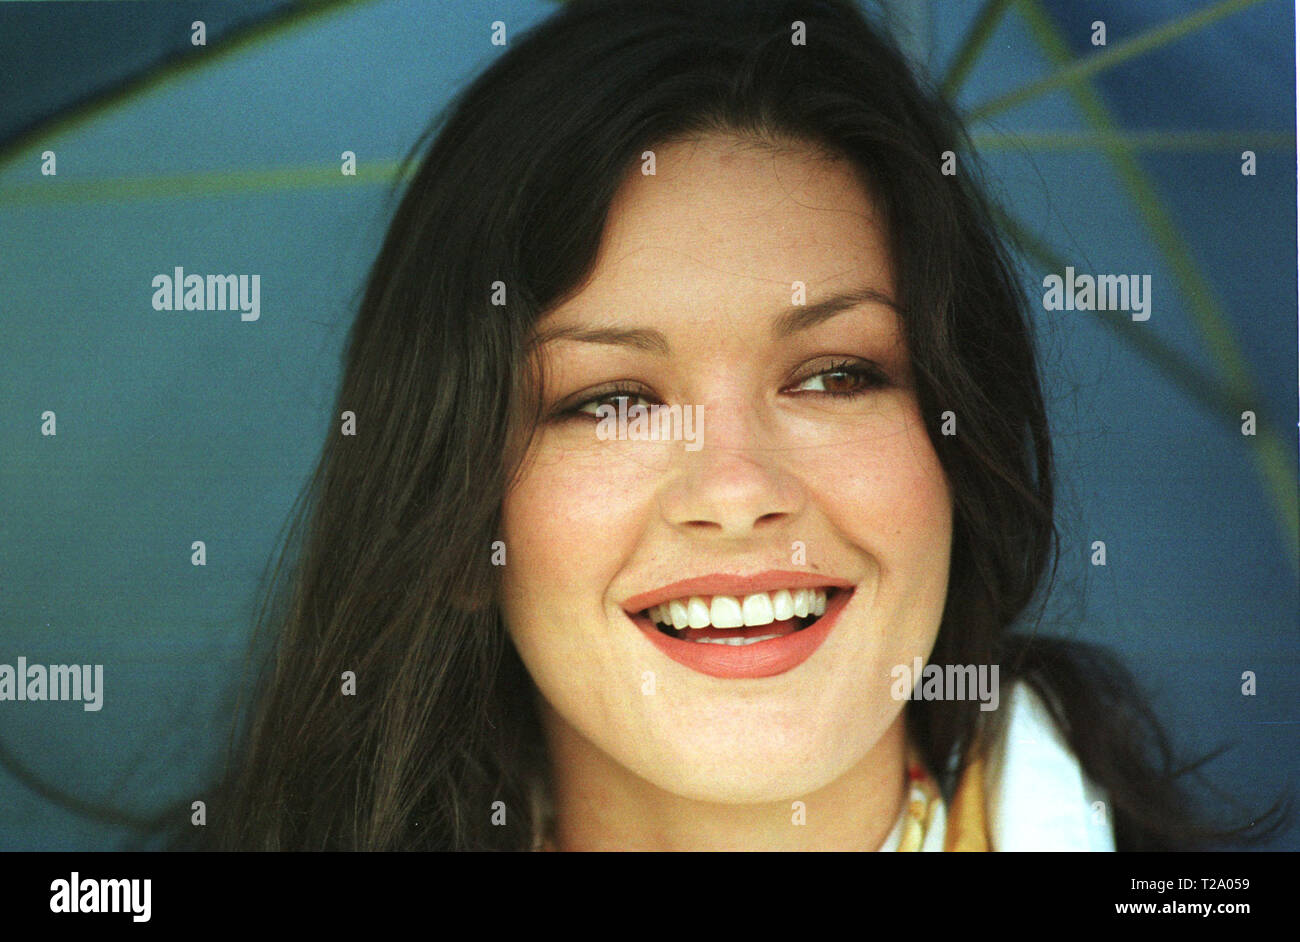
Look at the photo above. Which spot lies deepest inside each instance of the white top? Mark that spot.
(1037, 796)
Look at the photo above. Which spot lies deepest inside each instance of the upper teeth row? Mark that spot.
(728, 611)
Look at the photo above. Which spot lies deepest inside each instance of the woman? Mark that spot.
(513, 622)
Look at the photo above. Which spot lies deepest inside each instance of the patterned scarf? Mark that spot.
(966, 828)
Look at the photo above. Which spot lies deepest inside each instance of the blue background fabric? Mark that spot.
(176, 426)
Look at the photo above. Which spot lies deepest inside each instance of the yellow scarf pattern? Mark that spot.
(967, 825)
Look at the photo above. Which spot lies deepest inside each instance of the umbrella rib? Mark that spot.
(1201, 385)
(1270, 450)
(976, 38)
(170, 68)
(1145, 141)
(1082, 68)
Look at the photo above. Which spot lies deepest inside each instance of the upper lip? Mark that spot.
(731, 584)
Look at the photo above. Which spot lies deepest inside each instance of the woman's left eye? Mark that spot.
(843, 379)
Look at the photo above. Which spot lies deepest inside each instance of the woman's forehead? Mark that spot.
(717, 228)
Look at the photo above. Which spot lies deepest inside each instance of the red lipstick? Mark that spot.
(760, 659)
(739, 586)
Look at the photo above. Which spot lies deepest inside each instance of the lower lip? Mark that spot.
(760, 659)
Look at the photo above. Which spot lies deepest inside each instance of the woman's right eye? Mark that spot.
(633, 402)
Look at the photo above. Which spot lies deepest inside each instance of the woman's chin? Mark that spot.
(749, 777)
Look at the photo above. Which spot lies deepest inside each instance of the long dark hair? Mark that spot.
(388, 573)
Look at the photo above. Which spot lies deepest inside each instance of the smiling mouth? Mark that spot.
(740, 620)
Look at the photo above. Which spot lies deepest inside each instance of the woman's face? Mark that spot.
(811, 468)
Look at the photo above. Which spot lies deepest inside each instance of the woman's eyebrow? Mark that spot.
(805, 316)
(650, 340)
(640, 338)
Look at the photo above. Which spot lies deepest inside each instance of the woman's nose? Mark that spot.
(735, 483)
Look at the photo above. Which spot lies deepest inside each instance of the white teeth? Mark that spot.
(697, 610)
(729, 611)
(757, 609)
(725, 612)
(801, 603)
(735, 642)
(677, 611)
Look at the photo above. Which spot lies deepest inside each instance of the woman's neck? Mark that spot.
(599, 805)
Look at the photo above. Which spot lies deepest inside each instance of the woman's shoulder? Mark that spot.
(1036, 794)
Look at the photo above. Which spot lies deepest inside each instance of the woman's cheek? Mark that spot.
(573, 516)
(878, 466)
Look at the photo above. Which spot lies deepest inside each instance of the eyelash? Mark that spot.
(869, 376)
